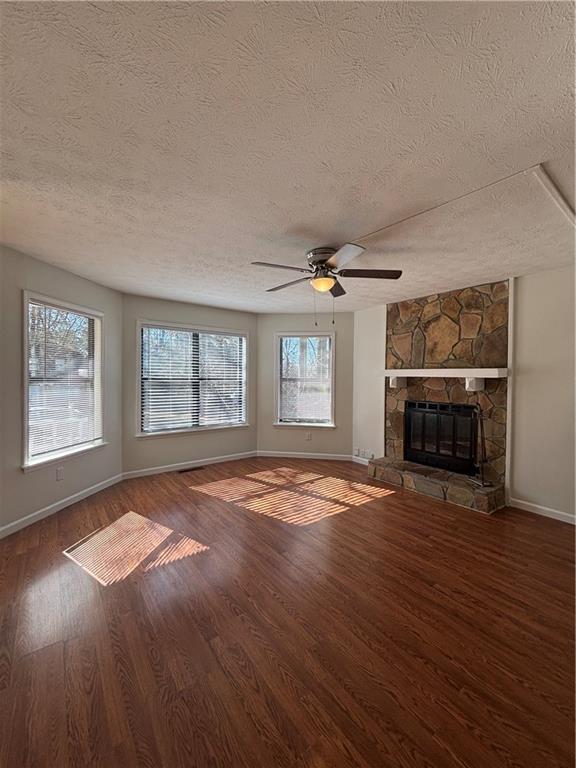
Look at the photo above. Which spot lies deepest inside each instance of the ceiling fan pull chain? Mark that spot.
(332, 310)
(315, 318)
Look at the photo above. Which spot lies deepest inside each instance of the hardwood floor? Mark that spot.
(319, 624)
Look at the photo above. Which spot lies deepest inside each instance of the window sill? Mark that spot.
(54, 458)
(189, 430)
(308, 425)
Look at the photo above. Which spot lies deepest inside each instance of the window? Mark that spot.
(191, 379)
(305, 386)
(63, 413)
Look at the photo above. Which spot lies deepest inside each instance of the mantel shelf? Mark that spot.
(474, 377)
(448, 373)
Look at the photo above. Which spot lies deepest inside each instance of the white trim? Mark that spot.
(448, 373)
(554, 193)
(138, 379)
(188, 464)
(61, 304)
(56, 457)
(140, 323)
(188, 430)
(528, 506)
(509, 390)
(34, 517)
(384, 380)
(396, 382)
(295, 455)
(309, 424)
(278, 335)
(192, 327)
(99, 409)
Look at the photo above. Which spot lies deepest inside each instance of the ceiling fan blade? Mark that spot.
(280, 266)
(287, 285)
(343, 255)
(337, 290)
(383, 274)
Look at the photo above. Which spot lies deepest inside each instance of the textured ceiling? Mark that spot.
(158, 148)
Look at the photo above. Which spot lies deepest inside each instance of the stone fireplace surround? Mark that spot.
(461, 329)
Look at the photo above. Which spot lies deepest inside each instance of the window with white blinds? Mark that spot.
(305, 388)
(191, 379)
(64, 380)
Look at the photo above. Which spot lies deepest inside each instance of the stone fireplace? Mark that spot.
(464, 331)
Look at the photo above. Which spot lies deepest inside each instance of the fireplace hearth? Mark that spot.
(441, 435)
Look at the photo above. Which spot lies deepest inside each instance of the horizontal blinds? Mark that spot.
(191, 379)
(64, 380)
(305, 388)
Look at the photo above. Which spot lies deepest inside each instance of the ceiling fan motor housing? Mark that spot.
(317, 257)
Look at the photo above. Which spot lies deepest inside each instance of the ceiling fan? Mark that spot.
(325, 267)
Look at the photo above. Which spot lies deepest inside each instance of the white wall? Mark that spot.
(141, 453)
(369, 382)
(542, 470)
(291, 440)
(2, 366)
(31, 492)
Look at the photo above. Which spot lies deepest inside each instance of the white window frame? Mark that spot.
(29, 464)
(277, 347)
(185, 327)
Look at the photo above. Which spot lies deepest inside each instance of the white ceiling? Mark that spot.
(158, 148)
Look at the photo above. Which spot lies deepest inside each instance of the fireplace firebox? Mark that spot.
(442, 435)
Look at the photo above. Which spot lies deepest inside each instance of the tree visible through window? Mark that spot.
(191, 379)
(305, 386)
(64, 381)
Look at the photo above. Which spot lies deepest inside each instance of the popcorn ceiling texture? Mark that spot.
(158, 148)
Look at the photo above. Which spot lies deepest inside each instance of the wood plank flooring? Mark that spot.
(331, 622)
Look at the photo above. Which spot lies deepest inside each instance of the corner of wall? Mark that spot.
(27, 496)
(369, 395)
(543, 450)
(289, 441)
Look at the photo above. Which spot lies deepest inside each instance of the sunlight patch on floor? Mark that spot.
(175, 548)
(345, 491)
(231, 489)
(311, 497)
(284, 476)
(294, 508)
(112, 553)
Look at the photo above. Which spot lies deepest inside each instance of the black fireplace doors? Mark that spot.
(442, 435)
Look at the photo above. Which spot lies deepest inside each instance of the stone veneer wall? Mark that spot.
(460, 329)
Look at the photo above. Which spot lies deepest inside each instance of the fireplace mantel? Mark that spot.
(474, 376)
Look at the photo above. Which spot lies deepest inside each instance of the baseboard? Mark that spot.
(294, 455)
(187, 465)
(527, 506)
(360, 460)
(34, 517)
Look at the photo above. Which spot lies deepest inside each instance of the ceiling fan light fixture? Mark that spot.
(325, 265)
(323, 283)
